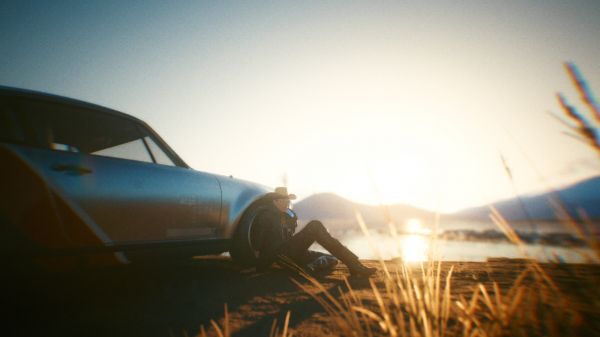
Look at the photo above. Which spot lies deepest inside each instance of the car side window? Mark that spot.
(133, 150)
(69, 128)
(160, 157)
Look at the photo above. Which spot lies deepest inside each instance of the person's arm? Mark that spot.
(291, 223)
(271, 238)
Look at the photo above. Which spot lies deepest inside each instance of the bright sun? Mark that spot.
(414, 248)
(413, 243)
(415, 226)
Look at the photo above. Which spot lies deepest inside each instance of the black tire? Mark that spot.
(243, 248)
(17, 251)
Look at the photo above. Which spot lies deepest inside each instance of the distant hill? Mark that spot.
(584, 194)
(336, 211)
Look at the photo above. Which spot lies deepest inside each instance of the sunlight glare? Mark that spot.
(414, 248)
(415, 226)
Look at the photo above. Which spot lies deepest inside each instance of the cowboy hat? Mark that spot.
(281, 193)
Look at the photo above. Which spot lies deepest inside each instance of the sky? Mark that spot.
(393, 102)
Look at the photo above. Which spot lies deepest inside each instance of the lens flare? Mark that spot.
(414, 248)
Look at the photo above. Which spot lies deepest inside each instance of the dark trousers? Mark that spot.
(296, 248)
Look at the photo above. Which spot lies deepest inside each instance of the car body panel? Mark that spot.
(42, 222)
(238, 196)
(130, 201)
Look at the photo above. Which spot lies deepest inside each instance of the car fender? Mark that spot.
(237, 196)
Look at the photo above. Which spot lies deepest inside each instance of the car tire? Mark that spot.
(243, 250)
(16, 252)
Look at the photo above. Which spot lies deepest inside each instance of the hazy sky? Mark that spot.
(413, 99)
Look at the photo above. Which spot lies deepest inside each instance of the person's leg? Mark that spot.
(316, 232)
(313, 232)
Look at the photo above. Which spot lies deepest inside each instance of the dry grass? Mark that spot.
(418, 302)
(409, 303)
(586, 124)
(225, 331)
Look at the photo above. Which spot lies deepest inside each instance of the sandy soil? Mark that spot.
(177, 300)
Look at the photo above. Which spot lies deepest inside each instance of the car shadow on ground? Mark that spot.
(159, 300)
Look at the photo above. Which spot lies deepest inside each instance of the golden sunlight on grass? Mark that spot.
(225, 331)
(418, 300)
(420, 296)
(413, 301)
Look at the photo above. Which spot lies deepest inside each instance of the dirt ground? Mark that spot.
(177, 300)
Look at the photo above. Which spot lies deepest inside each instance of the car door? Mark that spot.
(115, 174)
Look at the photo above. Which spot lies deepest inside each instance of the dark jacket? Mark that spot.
(275, 228)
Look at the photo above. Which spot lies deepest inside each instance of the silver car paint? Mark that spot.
(134, 201)
(238, 196)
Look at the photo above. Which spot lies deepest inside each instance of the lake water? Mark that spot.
(415, 248)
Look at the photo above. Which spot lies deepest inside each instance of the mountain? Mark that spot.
(583, 195)
(337, 212)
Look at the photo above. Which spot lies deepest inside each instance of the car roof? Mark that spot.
(18, 92)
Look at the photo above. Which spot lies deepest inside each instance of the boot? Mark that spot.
(340, 251)
(360, 270)
(357, 269)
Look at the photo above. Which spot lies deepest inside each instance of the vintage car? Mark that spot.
(83, 185)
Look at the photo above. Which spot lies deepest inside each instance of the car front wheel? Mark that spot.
(243, 249)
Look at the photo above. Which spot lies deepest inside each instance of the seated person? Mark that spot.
(277, 223)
